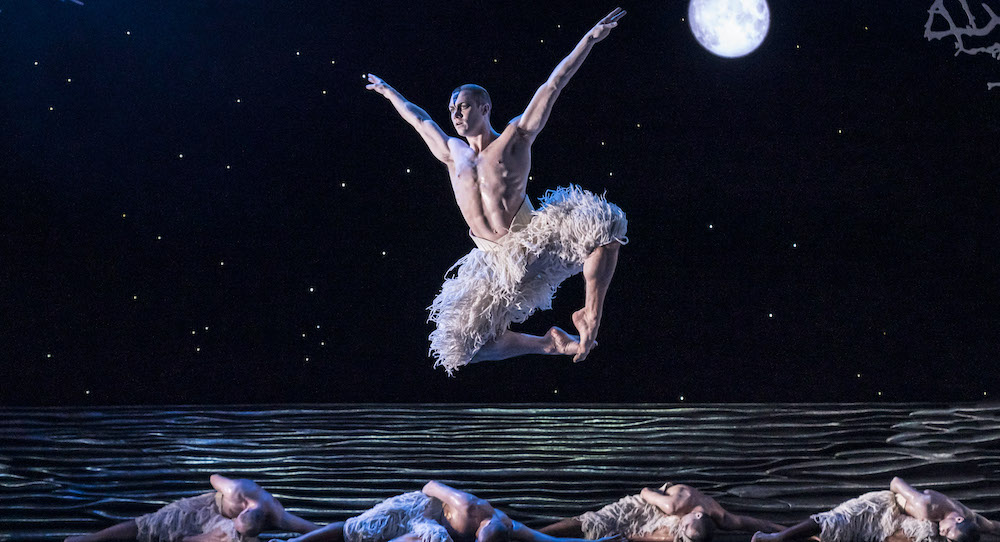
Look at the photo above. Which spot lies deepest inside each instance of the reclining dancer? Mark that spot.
(438, 513)
(238, 509)
(523, 255)
(901, 514)
(672, 513)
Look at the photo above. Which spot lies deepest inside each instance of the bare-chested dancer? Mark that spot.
(438, 513)
(672, 513)
(237, 510)
(522, 255)
(902, 514)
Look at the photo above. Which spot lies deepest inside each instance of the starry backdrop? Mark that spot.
(200, 203)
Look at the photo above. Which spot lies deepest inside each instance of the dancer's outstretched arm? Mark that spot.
(735, 522)
(988, 526)
(537, 113)
(430, 132)
(290, 522)
(526, 534)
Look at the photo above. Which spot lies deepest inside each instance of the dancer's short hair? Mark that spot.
(703, 530)
(967, 531)
(250, 522)
(479, 92)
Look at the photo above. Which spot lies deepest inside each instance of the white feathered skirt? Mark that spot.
(630, 516)
(873, 517)
(186, 517)
(410, 513)
(492, 288)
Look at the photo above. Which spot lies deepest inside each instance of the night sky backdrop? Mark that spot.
(200, 202)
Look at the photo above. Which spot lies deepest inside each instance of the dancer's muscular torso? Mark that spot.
(490, 185)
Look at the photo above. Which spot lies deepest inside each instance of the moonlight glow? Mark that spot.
(729, 28)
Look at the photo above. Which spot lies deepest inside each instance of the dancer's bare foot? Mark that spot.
(586, 323)
(764, 537)
(561, 342)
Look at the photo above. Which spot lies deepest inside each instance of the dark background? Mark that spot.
(823, 208)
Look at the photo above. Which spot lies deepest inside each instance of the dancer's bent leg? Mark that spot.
(333, 532)
(512, 344)
(800, 531)
(598, 269)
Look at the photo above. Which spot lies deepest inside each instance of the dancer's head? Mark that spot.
(696, 526)
(250, 522)
(958, 529)
(470, 107)
(493, 530)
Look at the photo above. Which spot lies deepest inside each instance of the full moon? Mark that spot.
(729, 28)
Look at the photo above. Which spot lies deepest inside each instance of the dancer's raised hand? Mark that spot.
(604, 26)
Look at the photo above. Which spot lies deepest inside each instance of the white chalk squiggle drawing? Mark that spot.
(960, 33)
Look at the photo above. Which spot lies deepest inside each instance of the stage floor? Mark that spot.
(75, 470)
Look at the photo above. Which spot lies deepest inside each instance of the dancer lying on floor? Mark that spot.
(237, 510)
(672, 513)
(902, 514)
(438, 513)
(523, 255)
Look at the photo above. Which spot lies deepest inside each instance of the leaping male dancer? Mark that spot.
(522, 255)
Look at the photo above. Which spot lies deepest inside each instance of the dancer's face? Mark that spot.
(250, 522)
(467, 114)
(957, 528)
(493, 530)
(695, 525)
